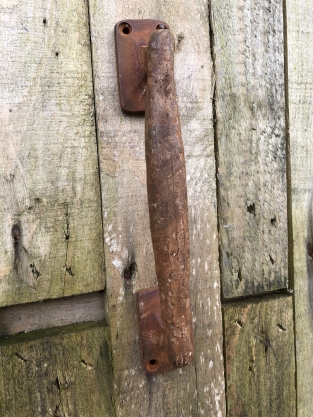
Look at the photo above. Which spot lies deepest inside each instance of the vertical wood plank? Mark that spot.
(61, 375)
(260, 359)
(49, 185)
(250, 137)
(300, 89)
(197, 389)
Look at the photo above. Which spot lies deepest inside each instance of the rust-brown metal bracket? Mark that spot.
(131, 42)
(145, 62)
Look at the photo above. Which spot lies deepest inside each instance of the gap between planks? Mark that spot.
(257, 298)
(52, 313)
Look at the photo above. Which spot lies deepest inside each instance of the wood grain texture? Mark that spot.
(300, 89)
(51, 313)
(62, 375)
(49, 185)
(260, 358)
(198, 389)
(250, 136)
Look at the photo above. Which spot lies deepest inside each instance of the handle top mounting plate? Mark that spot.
(131, 41)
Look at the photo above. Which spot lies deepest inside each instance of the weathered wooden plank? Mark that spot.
(260, 358)
(300, 90)
(250, 137)
(51, 313)
(61, 375)
(49, 186)
(198, 389)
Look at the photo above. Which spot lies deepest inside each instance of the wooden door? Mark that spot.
(62, 125)
(74, 213)
(197, 389)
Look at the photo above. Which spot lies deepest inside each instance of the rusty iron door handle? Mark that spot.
(164, 311)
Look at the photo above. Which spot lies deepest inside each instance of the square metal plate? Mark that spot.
(131, 41)
(153, 341)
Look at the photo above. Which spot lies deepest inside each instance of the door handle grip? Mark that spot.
(145, 60)
(167, 197)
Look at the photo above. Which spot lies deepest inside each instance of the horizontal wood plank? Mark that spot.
(61, 375)
(260, 358)
(251, 145)
(52, 313)
(51, 242)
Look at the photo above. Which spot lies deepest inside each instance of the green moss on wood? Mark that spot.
(67, 373)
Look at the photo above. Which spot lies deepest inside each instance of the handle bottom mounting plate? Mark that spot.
(153, 341)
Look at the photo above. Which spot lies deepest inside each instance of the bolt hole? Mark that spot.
(153, 365)
(239, 276)
(57, 54)
(125, 28)
(251, 209)
(161, 26)
(16, 234)
(239, 323)
(44, 21)
(281, 327)
(130, 271)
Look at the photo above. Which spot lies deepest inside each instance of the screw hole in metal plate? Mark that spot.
(161, 26)
(125, 28)
(152, 365)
